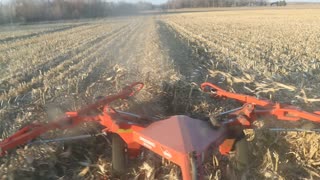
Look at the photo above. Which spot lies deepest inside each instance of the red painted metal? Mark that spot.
(183, 134)
(226, 146)
(179, 136)
(266, 107)
(70, 120)
(218, 92)
(180, 139)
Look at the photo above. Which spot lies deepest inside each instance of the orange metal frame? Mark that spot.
(266, 107)
(118, 123)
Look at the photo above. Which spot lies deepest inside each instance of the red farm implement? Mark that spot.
(179, 139)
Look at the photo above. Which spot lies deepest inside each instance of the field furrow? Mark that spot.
(48, 69)
(265, 58)
(73, 48)
(68, 68)
(8, 37)
(269, 54)
(45, 44)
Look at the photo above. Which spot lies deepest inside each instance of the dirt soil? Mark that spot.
(147, 50)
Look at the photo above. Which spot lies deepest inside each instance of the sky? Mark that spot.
(135, 1)
(163, 1)
(152, 1)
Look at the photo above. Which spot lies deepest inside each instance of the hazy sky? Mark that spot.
(153, 1)
(163, 1)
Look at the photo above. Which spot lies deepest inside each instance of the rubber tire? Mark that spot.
(194, 169)
(242, 154)
(119, 156)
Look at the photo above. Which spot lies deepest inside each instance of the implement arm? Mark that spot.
(71, 119)
(266, 107)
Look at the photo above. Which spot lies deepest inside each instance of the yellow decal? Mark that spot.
(124, 131)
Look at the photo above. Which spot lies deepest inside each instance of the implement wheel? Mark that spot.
(242, 154)
(119, 156)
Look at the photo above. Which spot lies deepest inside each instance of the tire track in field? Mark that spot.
(152, 67)
(186, 62)
(192, 65)
(136, 49)
(111, 56)
(110, 49)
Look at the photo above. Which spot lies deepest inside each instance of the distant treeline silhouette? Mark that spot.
(45, 10)
(174, 4)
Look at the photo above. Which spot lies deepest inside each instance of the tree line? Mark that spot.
(175, 4)
(46, 10)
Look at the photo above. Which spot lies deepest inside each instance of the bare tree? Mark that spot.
(214, 3)
(39, 10)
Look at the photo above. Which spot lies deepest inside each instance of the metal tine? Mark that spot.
(129, 114)
(135, 115)
(65, 139)
(229, 111)
(295, 130)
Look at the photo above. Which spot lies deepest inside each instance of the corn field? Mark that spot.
(269, 53)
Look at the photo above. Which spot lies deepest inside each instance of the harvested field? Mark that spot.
(269, 53)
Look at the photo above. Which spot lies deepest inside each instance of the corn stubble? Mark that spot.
(272, 54)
